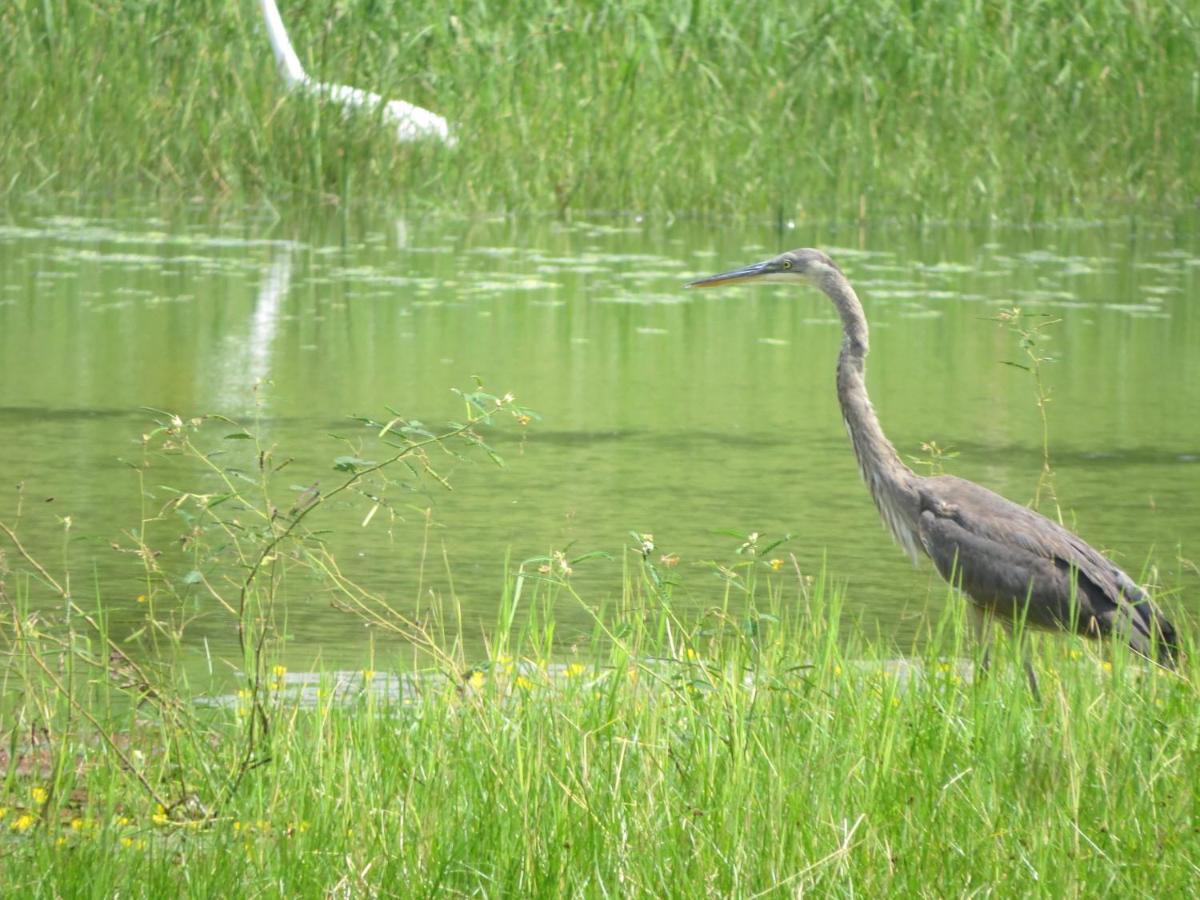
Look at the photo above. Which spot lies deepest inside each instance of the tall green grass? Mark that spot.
(757, 750)
(830, 109)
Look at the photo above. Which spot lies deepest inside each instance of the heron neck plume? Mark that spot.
(891, 482)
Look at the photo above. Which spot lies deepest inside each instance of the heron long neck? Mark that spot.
(891, 482)
(285, 56)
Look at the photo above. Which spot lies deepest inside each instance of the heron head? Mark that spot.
(805, 264)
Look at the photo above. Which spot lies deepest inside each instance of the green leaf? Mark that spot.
(729, 532)
(771, 546)
(593, 554)
(351, 463)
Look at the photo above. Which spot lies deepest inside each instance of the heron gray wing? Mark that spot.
(1010, 557)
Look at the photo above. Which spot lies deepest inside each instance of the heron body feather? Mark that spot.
(1017, 563)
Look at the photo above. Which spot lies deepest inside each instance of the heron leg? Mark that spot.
(981, 625)
(1026, 661)
(981, 621)
(1033, 682)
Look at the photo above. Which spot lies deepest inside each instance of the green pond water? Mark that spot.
(680, 413)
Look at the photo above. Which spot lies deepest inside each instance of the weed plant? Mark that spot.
(832, 109)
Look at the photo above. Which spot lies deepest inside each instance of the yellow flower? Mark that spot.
(237, 826)
(141, 598)
(24, 823)
(368, 674)
(524, 683)
(77, 824)
(691, 654)
(60, 842)
(574, 670)
(1075, 654)
(160, 816)
(122, 820)
(303, 827)
(477, 679)
(279, 671)
(3, 811)
(837, 670)
(776, 564)
(1107, 666)
(39, 795)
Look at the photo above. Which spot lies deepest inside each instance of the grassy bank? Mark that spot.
(841, 109)
(755, 751)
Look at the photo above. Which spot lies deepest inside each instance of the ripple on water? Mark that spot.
(522, 283)
(1138, 310)
(646, 299)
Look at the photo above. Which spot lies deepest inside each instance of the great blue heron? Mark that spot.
(1014, 564)
(412, 123)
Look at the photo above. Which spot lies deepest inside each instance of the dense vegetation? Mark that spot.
(940, 109)
(742, 754)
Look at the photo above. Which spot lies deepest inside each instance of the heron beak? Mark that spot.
(746, 273)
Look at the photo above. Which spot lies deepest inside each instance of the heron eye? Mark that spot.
(787, 263)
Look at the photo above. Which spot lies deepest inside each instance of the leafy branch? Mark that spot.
(239, 545)
(1032, 334)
